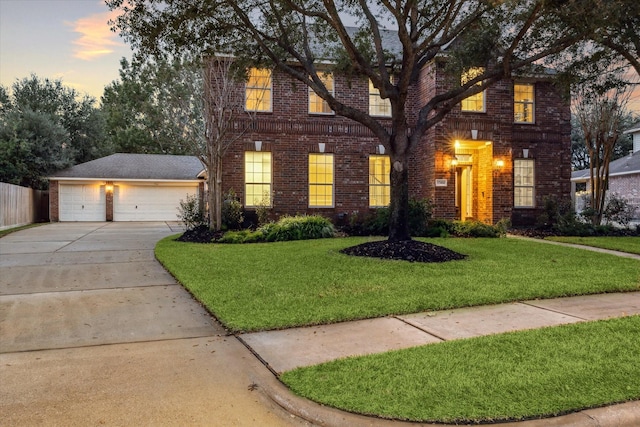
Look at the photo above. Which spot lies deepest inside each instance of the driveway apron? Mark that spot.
(94, 331)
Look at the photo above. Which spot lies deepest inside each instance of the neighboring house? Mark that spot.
(497, 155)
(125, 187)
(624, 177)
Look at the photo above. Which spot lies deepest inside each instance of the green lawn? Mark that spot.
(623, 244)
(22, 227)
(529, 374)
(284, 284)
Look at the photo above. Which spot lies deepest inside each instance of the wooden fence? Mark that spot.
(22, 205)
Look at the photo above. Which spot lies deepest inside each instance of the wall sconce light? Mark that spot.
(500, 163)
(381, 149)
(321, 147)
(474, 133)
(108, 188)
(525, 153)
(258, 145)
(454, 161)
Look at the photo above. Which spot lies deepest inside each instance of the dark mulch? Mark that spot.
(200, 234)
(406, 250)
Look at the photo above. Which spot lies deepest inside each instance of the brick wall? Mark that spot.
(54, 201)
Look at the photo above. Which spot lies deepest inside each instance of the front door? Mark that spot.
(464, 192)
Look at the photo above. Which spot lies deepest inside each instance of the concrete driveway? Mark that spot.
(94, 331)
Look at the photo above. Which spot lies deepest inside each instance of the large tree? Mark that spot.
(297, 36)
(44, 127)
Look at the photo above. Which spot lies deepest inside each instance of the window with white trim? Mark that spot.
(523, 103)
(379, 181)
(318, 105)
(257, 178)
(378, 106)
(258, 90)
(523, 183)
(474, 103)
(321, 180)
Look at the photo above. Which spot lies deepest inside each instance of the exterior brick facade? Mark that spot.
(489, 143)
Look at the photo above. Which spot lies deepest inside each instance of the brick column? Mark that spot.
(109, 200)
(54, 201)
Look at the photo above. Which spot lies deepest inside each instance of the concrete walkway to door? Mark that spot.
(94, 331)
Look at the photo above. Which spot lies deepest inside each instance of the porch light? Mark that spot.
(500, 163)
(108, 188)
(454, 161)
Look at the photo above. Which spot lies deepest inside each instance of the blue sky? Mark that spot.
(60, 39)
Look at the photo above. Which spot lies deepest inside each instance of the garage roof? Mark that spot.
(136, 166)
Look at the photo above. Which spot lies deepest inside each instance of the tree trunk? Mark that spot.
(399, 207)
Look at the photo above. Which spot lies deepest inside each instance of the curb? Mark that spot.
(619, 415)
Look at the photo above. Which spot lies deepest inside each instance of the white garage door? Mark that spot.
(149, 203)
(82, 202)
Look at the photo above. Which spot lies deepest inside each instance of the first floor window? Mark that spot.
(379, 181)
(257, 178)
(523, 183)
(321, 180)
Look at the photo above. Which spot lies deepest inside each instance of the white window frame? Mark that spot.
(256, 89)
(470, 74)
(531, 103)
(521, 182)
(248, 181)
(314, 98)
(378, 107)
(316, 184)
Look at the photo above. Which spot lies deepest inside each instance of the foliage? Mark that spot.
(191, 212)
(377, 223)
(477, 229)
(618, 210)
(273, 285)
(232, 215)
(44, 127)
(262, 209)
(299, 227)
(294, 38)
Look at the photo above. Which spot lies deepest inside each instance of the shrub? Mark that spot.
(191, 213)
(377, 223)
(557, 214)
(231, 211)
(242, 236)
(298, 227)
(618, 210)
(475, 229)
(263, 208)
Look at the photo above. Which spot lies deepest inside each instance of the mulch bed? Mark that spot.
(405, 250)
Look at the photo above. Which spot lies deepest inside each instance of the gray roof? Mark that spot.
(622, 166)
(634, 128)
(136, 166)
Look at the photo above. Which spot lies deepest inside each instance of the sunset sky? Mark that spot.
(70, 40)
(60, 39)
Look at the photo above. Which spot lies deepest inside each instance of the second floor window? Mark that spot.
(379, 181)
(474, 103)
(523, 103)
(257, 178)
(378, 106)
(321, 180)
(318, 105)
(258, 90)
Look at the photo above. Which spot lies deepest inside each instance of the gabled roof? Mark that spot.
(626, 165)
(633, 129)
(136, 166)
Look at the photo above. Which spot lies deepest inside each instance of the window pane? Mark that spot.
(474, 103)
(321, 180)
(379, 181)
(523, 103)
(258, 90)
(523, 182)
(377, 105)
(257, 178)
(318, 105)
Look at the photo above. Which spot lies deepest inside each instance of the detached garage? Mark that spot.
(125, 187)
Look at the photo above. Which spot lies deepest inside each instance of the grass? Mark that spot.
(285, 284)
(514, 376)
(22, 227)
(623, 244)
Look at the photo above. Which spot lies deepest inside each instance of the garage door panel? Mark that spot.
(82, 202)
(149, 203)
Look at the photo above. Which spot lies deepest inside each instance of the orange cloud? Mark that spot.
(96, 38)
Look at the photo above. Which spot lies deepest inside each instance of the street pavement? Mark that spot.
(93, 331)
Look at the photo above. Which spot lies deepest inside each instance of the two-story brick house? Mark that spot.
(496, 155)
